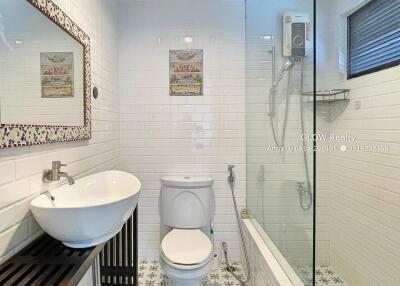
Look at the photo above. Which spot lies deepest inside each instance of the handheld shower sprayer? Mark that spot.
(289, 64)
(286, 66)
(3, 37)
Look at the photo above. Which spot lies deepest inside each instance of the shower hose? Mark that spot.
(231, 180)
(304, 205)
(272, 94)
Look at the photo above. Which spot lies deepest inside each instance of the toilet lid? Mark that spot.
(186, 246)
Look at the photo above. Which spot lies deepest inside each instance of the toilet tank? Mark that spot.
(187, 202)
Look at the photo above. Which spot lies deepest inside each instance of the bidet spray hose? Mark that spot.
(231, 180)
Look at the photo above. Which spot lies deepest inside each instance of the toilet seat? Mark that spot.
(186, 247)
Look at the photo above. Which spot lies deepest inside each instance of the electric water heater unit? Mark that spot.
(296, 34)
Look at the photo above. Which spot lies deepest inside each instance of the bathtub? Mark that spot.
(269, 267)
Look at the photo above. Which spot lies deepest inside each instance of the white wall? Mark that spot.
(364, 198)
(21, 168)
(163, 135)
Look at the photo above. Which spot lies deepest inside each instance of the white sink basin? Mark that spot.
(89, 212)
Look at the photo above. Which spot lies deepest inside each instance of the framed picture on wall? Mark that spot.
(57, 74)
(186, 72)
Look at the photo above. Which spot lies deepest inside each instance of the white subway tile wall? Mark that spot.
(322, 244)
(164, 135)
(21, 168)
(364, 197)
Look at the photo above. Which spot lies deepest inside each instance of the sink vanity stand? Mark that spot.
(47, 261)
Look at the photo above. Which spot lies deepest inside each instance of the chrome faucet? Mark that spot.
(55, 173)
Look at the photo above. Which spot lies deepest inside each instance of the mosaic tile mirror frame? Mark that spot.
(27, 134)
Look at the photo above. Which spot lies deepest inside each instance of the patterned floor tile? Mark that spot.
(151, 274)
(324, 276)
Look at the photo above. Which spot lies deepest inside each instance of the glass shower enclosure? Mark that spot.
(280, 124)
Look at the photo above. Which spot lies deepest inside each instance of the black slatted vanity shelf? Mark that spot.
(47, 261)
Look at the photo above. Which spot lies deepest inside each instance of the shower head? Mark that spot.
(3, 37)
(272, 93)
(288, 65)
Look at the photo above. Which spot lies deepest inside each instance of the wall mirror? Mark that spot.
(44, 75)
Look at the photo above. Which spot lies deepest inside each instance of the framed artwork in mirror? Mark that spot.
(45, 75)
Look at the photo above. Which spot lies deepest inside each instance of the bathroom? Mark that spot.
(190, 142)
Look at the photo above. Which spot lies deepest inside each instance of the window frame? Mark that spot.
(351, 75)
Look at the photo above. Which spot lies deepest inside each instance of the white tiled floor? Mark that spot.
(150, 274)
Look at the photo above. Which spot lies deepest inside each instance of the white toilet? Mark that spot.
(187, 207)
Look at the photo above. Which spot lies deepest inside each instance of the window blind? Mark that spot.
(374, 37)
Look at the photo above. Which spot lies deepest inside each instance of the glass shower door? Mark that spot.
(280, 121)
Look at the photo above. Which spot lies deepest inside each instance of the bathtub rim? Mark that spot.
(280, 268)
